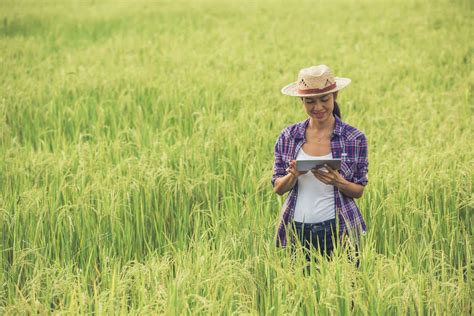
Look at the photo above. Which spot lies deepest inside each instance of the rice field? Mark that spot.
(136, 152)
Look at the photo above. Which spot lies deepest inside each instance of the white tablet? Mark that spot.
(308, 164)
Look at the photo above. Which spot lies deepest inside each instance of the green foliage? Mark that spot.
(136, 151)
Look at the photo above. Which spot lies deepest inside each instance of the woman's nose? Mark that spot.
(317, 105)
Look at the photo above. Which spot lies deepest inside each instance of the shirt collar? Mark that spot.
(301, 128)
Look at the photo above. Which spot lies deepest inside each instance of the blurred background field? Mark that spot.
(136, 152)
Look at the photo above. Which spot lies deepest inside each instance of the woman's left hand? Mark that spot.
(329, 177)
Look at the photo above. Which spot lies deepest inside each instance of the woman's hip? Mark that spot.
(322, 234)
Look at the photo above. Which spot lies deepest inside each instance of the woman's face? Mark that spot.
(319, 108)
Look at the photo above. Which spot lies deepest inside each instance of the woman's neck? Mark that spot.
(327, 125)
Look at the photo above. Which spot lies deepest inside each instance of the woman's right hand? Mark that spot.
(286, 183)
(292, 169)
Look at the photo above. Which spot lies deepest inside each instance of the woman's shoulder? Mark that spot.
(295, 130)
(351, 132)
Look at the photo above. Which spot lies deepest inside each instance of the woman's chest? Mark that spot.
(317, 148)
(340, 148)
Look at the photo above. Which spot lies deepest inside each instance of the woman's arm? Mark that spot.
(332, 177)
(350, 189)
(284, 184)
(355, 187)
(359, 179)
(284, 175)
(287, 182)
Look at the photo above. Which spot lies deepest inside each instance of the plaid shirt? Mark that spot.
(347, 143)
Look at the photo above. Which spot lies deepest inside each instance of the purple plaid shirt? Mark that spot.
(347, 143)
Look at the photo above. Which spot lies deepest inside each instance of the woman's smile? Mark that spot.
(319, 115)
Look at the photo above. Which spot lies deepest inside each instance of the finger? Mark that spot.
(317, 172)
(334, 173)
(321, 178)
(321, 172)
(326, 178)
(328, 167)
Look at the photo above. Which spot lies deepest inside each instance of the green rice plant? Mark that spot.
(136, 152)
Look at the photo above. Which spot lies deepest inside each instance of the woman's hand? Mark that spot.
(329, 177)
(333, 177)
(287, 182)
(292, 169)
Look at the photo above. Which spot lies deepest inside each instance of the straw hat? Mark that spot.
(314, 81)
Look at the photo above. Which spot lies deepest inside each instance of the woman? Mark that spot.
(320, 207)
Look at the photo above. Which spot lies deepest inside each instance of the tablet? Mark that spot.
(308, 164)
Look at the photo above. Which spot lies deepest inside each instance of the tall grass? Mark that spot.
(136, 143)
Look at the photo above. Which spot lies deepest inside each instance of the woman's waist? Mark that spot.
(314, 209)
(315, 227)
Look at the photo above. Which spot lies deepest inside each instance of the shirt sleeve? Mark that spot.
(279, 166)
(362, 163)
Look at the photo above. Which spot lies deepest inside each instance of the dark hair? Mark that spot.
(336, 110)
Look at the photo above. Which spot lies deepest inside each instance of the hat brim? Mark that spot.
(292, 88)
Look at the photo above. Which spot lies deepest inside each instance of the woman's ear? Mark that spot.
(335, 95)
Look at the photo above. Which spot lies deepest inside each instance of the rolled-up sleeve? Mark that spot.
(362, 162)
(279, 167)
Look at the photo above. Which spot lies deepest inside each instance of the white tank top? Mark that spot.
(315, 201)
